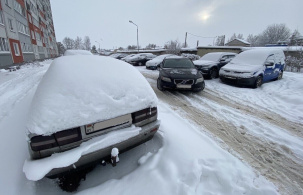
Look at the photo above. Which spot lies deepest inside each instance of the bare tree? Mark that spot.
(94, 50)
(220, 41)
(61, 48)
(236, 36)
(173, 47)
(87, 43)
(253, 40)
(151, 46)
(274, 33)
(131, 47)
(78, 43)
(68, 43)
(295, 38)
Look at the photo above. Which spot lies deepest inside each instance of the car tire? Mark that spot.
(159, 85)
(140, 63)
(213, 73)
(258, 82)
(280, 75)
(198, 90)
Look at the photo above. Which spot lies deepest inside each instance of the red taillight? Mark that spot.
(43, 142)
(144, 114)
(57, 139)
(155, 129)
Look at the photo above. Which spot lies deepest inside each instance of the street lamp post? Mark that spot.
(137, 35)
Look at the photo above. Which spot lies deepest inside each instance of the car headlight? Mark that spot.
(166, 79)
(199, 80)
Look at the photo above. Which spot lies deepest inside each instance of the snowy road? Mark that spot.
(207, 142)
(269, 142)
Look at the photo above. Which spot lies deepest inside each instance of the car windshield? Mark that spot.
(253, 57)
(178, 63)
(211, 57)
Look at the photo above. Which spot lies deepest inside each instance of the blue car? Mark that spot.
(254, 67)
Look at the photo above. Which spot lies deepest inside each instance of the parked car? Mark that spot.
(71, 52)
(125, 59)
(84, 109)
(254, 67)
(179, 73)
(190, 56)
(118, 55)
(153, 64)
(210, 63)
(140, 59)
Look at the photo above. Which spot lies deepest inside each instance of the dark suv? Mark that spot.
(210, 64)
(179, 73)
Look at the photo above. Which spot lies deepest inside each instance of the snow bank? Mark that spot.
(78, 90)
(37, 169)
(71, 52)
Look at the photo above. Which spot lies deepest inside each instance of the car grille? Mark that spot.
(184, 81)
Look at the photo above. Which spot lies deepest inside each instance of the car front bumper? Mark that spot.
(238, 80)
(172, 85)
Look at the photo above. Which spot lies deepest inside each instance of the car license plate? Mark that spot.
(180, 86)
(108, 124)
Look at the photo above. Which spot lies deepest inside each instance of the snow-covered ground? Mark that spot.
(182, 158)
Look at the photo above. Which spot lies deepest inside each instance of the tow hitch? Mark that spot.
(114, 156)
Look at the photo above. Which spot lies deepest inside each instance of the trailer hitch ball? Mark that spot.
(114, 156)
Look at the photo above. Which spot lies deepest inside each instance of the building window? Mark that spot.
(10, 24)
(4, 44)
(16, 49)
(22, 28)
(38, 36)
(1, 18)
(7, 3)
(30, 19)
(26, 47)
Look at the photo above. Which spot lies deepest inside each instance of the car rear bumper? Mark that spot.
(146, 133)
(238, 81)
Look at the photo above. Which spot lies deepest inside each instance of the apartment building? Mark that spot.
(26, 31)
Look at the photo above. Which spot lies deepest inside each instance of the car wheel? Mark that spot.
(140, 63)
(280, 75)
(213, 73)
(159, 85)
(258, 82)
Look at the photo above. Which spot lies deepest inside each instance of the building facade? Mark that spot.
(26, 31)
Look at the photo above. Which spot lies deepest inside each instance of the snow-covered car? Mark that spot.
(71, 52)
(125, 59)
(140, 59)
(153, 64)
(254, 67)
(190, 56)
(83, 111)
(118, 55)
(210, 63)
(179, 73)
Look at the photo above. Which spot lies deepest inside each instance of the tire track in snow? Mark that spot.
(267, 157)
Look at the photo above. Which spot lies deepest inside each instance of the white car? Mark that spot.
(86, 109)
(254, 67)
(152, 64)
(71, 52)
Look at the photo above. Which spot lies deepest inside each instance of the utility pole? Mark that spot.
(185, 45)
(137, 34)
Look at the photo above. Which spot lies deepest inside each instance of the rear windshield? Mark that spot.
(178, 63)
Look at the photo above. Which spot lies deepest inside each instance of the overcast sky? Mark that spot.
(159, 21)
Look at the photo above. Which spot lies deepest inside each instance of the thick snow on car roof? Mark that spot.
(71, 52)
(254, 56)
(79, 90)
